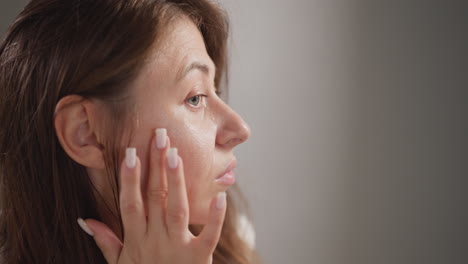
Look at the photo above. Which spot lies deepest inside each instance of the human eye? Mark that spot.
(196, 100)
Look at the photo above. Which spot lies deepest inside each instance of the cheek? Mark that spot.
(195, 145)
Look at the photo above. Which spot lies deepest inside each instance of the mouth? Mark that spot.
(227, 177)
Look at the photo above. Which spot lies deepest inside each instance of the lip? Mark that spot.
(228, 178)
(229, 168)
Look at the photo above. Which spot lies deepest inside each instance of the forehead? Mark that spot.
(181, 42)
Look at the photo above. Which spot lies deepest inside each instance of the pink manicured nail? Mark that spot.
(84, 226)
(221, 200)
(130, 157)
(172, 158)
(161, 136)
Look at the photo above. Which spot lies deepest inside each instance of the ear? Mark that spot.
(75, 125)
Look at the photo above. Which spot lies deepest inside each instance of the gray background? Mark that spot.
(358, 151)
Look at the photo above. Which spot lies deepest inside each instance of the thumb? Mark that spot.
(106, 240)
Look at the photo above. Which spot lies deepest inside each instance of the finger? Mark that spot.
(211, 233)
(177, 213)
(106, 240)
(157, 192)
(131, 204)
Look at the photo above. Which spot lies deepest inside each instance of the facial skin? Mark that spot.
(204, 129)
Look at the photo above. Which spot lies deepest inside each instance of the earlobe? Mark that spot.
(74, 125)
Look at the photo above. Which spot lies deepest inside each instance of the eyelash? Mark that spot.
(218, 93)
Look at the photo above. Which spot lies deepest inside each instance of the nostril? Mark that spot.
(237, 141)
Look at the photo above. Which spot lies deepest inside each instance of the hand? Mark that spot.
(163, 236)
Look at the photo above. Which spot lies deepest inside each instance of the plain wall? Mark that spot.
(359, 140)
(358, 152)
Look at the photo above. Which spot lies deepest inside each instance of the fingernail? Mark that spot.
(84, 226)
(172, 158)
(130, 157)
(221, 200)
(161, 136)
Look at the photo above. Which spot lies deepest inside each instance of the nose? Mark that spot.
(232, 129)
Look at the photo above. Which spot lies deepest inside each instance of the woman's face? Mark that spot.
(204, 129)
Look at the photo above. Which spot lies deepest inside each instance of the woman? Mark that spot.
(110, 111)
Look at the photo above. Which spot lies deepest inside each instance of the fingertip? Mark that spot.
(212, 231)
(221, 200)
(131, 161)
(109, 244)
(85, 226)
(173, 158)
(218, 208)
(130, 158)
(160, 138)
(130, 165)
(95, 227)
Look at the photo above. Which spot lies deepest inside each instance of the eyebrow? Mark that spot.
(194, 66)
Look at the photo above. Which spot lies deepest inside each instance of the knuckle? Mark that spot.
(210, 242)
(131, 207)
(177, 216)
(157, 196)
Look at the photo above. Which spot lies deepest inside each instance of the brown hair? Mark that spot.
(95, 49)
